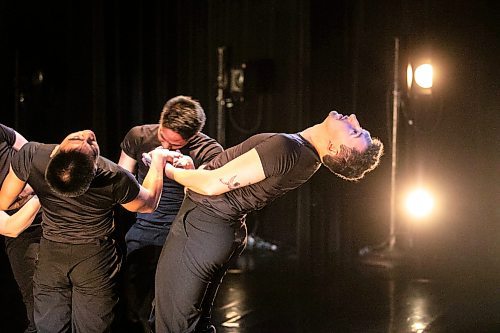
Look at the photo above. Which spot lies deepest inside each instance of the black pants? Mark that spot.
(75, 286)
(198, 251)
(138, 287)
(22, 252)
(144, 242)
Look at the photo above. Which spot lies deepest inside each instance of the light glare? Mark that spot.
(419, 203)
(409, 76)
(423, 76)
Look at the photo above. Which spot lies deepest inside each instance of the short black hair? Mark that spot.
(183, 115)
(351, 164)
(70, 173)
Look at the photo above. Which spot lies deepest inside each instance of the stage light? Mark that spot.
(424, 75)
(409, 76)
(419, 203)
(419, 78)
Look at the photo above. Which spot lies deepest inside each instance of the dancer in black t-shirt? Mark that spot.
(75, 278)
(181, 121)
(209, 231)
(21, 226)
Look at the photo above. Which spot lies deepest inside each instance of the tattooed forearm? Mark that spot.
(231, 183)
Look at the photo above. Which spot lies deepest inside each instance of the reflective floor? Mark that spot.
(266, 292)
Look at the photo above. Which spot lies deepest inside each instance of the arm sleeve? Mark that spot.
(131, 142)
(7, 135)
(22, 160)
(207, 153)
(278, 154)
(127, 188)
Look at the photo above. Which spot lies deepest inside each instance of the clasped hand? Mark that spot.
(26, 194)
(174, 158)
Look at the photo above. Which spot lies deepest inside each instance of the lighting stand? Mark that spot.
(391, 253)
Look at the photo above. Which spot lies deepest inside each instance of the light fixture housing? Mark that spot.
(420, 78)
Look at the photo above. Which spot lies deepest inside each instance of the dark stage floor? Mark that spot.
(267, 293)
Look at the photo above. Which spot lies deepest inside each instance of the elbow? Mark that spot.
(211, 192)
(147, 209)
(3, 205)
(149, 206)
(208, 190)
(11, 234)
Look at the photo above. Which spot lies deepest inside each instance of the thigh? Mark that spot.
(94, 280)
(138, 280)
(23, 253)
(141, 264)
(134, 238)
(52, 289)
(194, 255)
(209, 245)
(144, 234)
(177, 289)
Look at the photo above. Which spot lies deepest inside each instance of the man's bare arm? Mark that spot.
(11, 188)
(127, 162)
(13, 225)
(150, 191)
(242, 171)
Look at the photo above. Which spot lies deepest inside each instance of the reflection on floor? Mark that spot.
(266, 293)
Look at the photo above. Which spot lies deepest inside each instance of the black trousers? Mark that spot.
(138, 288)
(144, 242)
(75, 286)
(22, 252)
(197, 253)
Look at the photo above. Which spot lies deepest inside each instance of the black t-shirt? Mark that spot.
(288, 161)
(142, 139)
(7, 141)
(81, 219)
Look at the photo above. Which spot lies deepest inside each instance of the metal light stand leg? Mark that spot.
(388, 254)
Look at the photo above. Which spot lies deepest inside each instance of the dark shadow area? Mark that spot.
(12, 315)
(266, 291)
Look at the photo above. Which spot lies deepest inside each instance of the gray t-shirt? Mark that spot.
(288, 160)
(81, 219)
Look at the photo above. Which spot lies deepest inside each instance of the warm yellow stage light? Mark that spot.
(424, 75)
(409, 76)
(419, 203)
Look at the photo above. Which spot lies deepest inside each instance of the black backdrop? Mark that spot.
(111, 65)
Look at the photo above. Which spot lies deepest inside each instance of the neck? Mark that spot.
(312, 134)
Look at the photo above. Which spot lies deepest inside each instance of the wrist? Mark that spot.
(169, 170)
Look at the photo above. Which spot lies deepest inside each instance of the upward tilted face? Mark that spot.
(345, 130)
(84, 141)
(170, 139)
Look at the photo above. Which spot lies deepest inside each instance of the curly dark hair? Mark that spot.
(351, 164)
(69, 173)
(183, 115)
